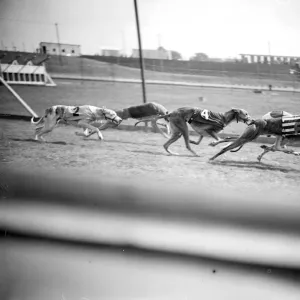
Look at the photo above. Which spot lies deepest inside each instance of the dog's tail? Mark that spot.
(250, 134)
(238, 149)
(153, 118)
(38, 122)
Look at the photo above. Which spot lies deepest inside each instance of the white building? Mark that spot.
(60, 49)
(159, 53)
(110, 52)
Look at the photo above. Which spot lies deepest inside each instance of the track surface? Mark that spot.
(140, 156)
(120, 95)
(65, 273)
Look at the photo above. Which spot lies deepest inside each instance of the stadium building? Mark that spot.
(59, 49)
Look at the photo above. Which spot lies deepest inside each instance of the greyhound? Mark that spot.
(283, 125)
(80, 116)
(144, 113)
(203, 122)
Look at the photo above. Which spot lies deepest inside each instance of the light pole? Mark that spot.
(140, 50)
(58, 42)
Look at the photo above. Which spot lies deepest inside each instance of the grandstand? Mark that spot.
(22, 68)
(210, 68)
(117, 67)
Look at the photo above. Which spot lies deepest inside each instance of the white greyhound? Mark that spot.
(79, 116)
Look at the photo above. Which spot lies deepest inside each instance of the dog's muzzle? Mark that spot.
(249, 121)
(116, 120)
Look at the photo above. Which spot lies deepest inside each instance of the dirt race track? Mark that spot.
(140, 156)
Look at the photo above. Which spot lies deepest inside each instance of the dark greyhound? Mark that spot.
(203, 122)
(285, 126)
(144, 113)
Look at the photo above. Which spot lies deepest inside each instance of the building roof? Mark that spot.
(52, 43)
(21, 57)
(270, 55)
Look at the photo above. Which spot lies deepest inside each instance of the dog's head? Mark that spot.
(167, 119)
(50, 119)
(59, 111)
(48, 111)
(241, 115)
(111, 115)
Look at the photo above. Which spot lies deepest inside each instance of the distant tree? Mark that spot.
(175, 55)
(200, 57)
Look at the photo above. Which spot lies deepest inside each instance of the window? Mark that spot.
(73, 51)
(54, 50)
(63, 50)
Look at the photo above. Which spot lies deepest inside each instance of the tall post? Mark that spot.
(58, 42)
(140, 50)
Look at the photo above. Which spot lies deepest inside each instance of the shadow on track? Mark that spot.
(253, 164)
(119, 142)
(161, 153)
(35, 141)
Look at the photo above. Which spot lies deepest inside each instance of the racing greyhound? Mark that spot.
(285, 126)
(144, 113)
(79, 116)
(203, 122)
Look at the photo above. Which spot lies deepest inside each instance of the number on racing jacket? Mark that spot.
(76, 109)
(205, 114)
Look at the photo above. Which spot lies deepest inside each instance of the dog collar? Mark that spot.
(190, 120)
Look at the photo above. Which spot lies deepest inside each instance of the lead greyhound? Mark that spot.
(203, 122)
(285, 126)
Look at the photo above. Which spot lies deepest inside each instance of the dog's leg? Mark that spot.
(108, 124)
(266, 150)
(92, 129)
(199, 141)
(199, 130)
(174, 138)
(284, 148)
(87, 132)
(275, 147)
(280, 146)
(44, 130)
(222, 151)
(225, 140)
(289, 151)
(218, 139)
(155, 126)
(185, 133)
(162, 124)
(215, 136)
(168, 129)
(176, 134)
(235, 144)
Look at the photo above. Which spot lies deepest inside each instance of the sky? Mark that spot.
(219, 28)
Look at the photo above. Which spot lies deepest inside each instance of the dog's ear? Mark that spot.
(60, 111)
(48, 111)
(236, 113)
